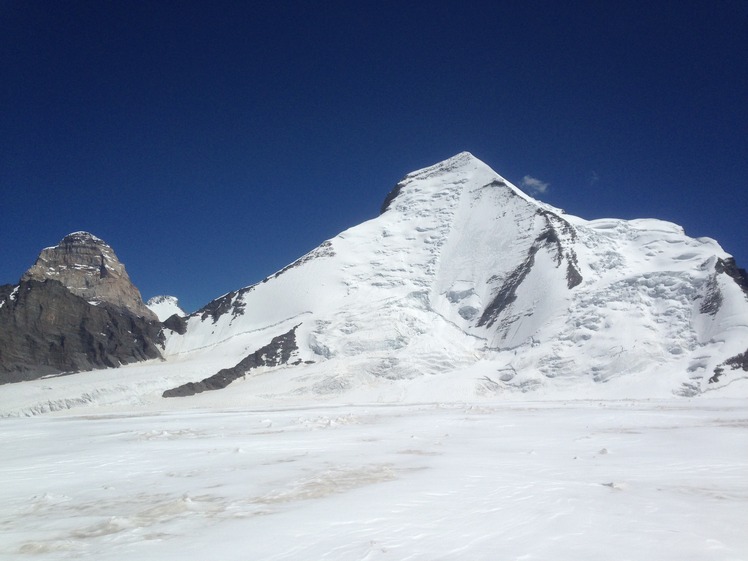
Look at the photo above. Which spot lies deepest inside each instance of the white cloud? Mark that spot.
(593, 177)
(534, 184)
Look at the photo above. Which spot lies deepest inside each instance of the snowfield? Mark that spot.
(640, 480)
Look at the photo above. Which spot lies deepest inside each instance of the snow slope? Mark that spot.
(463, 270)
(164, 307)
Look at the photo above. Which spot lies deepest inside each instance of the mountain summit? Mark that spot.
(465, 276)
(89, 268)
(74, 309)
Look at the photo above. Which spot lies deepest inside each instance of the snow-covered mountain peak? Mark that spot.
(165, 306)
(463, 268)
(459, 163)
(83, 237)
(433, 187)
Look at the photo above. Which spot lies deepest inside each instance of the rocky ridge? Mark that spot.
(89, 268)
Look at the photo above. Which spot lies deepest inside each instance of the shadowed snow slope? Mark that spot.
(465, 287)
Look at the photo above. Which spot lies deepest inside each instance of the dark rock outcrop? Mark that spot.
(731, 269)
(176, 323)
(737, 362)
(391, 196)
(228, 303)
(550, 239)
(713, 297)
(46, 329)
(507, 293)
(275, 353)
(712, 301)
(75, 309)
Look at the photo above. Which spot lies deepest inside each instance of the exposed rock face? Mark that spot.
(557, 237)
(230, 302)
(737, 362)
(75, 309)
(46, 329)
(176, 323)
(730, 268)
(89, 268)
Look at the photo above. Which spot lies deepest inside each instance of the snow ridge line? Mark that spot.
(258, 330)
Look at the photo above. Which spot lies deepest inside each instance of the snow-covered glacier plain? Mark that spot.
(561, 480)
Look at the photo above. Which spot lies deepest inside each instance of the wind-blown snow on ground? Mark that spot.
(635, 480)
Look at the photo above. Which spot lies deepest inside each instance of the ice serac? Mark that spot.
(463, 275)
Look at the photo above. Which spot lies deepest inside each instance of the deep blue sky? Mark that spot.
(213, 143)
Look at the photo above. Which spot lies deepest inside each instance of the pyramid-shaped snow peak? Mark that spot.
(464, 276)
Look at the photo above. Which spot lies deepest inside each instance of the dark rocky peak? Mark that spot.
(391, 196)
(713, 297)
(74, 310)
(730, 268)
(47, 329)
(89, 268)
(231, 302)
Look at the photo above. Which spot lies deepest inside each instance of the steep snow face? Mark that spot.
(464, 271)
(164, 307)
(411, 274)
